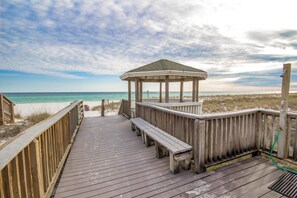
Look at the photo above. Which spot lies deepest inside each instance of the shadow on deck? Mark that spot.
(108, 159)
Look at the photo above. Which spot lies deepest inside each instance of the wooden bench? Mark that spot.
(180, 153)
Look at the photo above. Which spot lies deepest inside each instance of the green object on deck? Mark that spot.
(274, 162)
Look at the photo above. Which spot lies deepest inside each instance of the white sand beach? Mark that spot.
(53, 107)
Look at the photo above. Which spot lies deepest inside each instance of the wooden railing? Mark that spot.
(189, 107)
(171, 100)
(216, 137)
(125, 108)
(269, 128)
(31, 163)
(6, 110)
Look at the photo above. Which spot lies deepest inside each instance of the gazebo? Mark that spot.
(164, 71)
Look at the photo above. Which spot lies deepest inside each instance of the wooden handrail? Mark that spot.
(201, 117)
(125, 108)
(31, 163)
(176, 104)
(224, 135)
(6, 110)
(7, 100)
(215, 115)
(27, 136)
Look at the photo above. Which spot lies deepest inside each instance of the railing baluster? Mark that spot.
(5, 183)
(295, 142)
(221, 137)
(272, 131)
(2, 186)
(289, 136)
(210, 140)
(37, 177)
(226, 134)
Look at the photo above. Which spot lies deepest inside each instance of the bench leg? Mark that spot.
(187, 164)
(137, 131)
(148, 140)
(185, 159)
(174, 164)
(132, 127)
(159, 150)
(142, 136)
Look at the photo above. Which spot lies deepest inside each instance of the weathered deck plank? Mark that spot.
(108, 160)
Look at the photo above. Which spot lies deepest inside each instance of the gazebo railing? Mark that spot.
(171, 100)
(188, 107)
(125, 108)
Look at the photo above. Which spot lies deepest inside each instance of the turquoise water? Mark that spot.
(98, 96)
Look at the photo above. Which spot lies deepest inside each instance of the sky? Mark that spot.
(64, 46)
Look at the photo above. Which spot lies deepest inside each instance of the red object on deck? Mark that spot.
(87, 107)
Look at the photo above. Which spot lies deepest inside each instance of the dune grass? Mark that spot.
(38, 117)
(10, 131)
(17, 116)
(112, 105)
(239, 102)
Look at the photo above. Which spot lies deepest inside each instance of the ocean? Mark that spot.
(46, 97)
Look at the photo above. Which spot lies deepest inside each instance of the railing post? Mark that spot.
(282, 151)
(36, 169)
(11, 112)
(82, 109)
(80, 112)
(102, 108)
(149, 115)
(167, 89)
(181, 91)
(295, 146)
(258, 129)
(199, 145)
(1, 110)
(193, 90)
(129, 98)
(70, 128)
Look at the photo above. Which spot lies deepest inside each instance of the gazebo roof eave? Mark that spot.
(151, 75)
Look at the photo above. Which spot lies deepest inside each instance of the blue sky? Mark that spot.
(85, 45)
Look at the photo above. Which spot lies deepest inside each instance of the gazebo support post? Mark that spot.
(197, 90)
(136, 95)
(160, 97)
(193, 90)
(167, 89)
(129, 95)
(140, 91)
(136, 90)
(181, 93)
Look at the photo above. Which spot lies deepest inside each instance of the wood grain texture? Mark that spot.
(109, 160)
(31, 169)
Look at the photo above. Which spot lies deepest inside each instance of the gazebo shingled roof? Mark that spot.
(157, 71)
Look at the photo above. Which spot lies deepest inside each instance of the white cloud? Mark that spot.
(110, 37)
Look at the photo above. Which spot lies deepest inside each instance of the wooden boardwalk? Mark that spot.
(109, 160)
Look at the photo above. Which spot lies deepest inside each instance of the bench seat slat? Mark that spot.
(173, 144)
(170, 141)
(178, 141)
(174, 139)
(173, 148)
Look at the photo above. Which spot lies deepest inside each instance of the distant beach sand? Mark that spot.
(27, 109)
